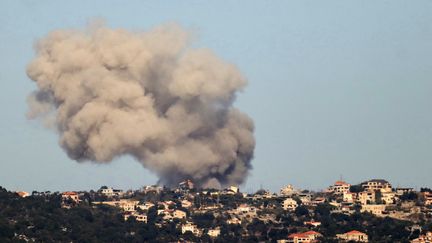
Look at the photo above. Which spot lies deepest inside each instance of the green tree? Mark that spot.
(301, 211)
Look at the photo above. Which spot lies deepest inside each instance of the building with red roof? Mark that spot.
(70, 195)
(312, 223)
(305, 237)
(22, 194)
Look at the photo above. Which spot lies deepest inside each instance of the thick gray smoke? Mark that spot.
(111, 92)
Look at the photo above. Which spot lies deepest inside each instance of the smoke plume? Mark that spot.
(112, 92)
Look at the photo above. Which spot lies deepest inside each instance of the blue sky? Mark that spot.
(336, 88)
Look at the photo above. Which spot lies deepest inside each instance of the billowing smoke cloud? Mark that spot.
(112, 92)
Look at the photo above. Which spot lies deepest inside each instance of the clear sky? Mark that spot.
(336, 88)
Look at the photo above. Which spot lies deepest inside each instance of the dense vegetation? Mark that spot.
(40, 218)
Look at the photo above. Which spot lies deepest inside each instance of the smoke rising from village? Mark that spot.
(112, 92)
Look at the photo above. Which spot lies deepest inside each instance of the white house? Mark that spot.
(339, 187)
(234, 220)
(107, 191)
(306, 237)
(128, 205)
(179, 214)
(366, 197)
(138, 216)
(353, 235)
(214, 232)
(388, 197)
(192, 228)
(402, 190)
(125, 205)
(186, 203)
(376, 209)
(305, 197)
(234, 189)
(288, 190)
(349, 197)
(290, 204)
(245, 209)
(145, 206)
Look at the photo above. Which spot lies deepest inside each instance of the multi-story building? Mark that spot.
(22, 194)
(377, 185)
(191, 228)
(388, 197)
(349, 197)
(107, 191)
(128, 205)
(186, 185)
(366, 197)
(339, 187)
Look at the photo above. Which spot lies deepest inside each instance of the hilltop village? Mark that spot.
(372, 211)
